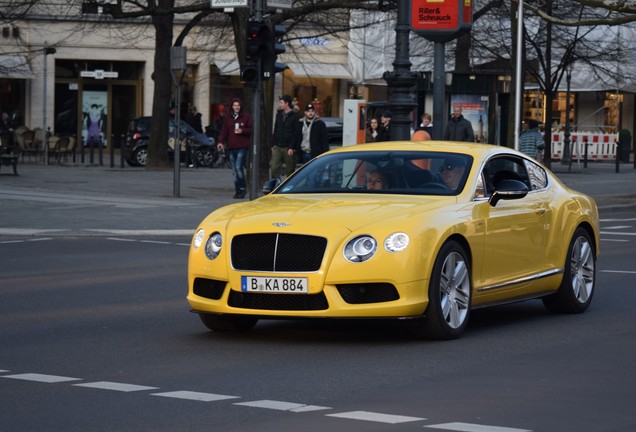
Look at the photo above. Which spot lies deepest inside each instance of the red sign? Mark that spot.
(441, 19)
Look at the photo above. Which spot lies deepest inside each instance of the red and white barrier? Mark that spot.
(600, 146)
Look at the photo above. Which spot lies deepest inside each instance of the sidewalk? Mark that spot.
(91, 200)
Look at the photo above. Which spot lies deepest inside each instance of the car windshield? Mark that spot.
(389, 172)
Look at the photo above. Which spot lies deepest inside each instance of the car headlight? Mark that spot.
(396, 242)
(197, 241)
(213, 245)
(360, 248)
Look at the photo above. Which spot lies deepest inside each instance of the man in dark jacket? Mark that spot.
(283, 140)
(311, 136)
(459, 129)
(236, 133)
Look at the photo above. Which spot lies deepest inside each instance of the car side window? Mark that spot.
(499, 169)
(536, 175)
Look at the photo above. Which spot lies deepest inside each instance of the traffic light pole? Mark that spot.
(256, 115)
(256, 133)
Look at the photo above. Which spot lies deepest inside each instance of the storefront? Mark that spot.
(94, 100)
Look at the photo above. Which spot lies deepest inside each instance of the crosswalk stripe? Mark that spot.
(469, 427)
(198, 396)
(376, 417)
(41, 378)
(122, 387)
(281, 406)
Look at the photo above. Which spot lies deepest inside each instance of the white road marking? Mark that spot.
(28, 231)
(41, 378)
(375, 417)
(617, 220)
(122, 387)
(198, 396)
(618, 227)
(154, 242)
(469, 427)
(281, 406)
(614, 240)
(175, 232)
(618, 233)
(268, 404)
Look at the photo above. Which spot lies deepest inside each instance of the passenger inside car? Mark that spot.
(377, 180)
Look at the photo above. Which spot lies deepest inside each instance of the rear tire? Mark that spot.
(139, 156)
(449, 295)
(228, 323)
(579, 277)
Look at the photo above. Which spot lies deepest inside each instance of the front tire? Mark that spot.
(579, 277)
(449, 295)
(228, 323)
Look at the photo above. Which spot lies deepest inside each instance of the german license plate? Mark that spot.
(280, 285)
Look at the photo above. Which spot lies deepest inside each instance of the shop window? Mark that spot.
(611, 106)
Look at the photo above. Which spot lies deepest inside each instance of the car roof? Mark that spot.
(478, 151)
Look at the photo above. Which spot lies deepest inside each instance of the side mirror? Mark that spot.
(508, 190)
(270, 185)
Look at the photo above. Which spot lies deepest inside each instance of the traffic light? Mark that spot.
(255, 46)
(256, 35)
(268, 60)
(249, 72)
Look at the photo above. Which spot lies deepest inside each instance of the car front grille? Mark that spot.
(289, 302)
(272, 252)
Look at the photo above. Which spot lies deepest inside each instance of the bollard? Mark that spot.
(112, 151)
(100, 152)
(122, 144)
(91, 152)
(618, 158)
(586, 144)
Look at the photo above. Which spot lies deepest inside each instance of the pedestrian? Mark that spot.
(283, 139)
(311, 136)
(236, 133)
(194, 119)
(426, 124)
(459, 129)
(373, 131)
(385, 126)
(6, 129)
(531, 141)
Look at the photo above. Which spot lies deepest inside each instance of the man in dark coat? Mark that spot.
(311, 136)
(283, 139)
(459, 129)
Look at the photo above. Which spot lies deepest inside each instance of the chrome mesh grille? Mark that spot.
(275, 252)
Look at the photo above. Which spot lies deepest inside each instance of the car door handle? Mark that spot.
(540, 211)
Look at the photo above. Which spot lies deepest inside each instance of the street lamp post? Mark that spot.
(401, 80)
(567, 154)
(45, 141)
(178, 65)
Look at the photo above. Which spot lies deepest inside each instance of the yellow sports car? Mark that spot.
(424, 231)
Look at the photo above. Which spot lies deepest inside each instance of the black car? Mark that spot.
(334, 130)
(202, 151)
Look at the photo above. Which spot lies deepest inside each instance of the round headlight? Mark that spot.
(213, 245)
(360, 248)
(198, 238)
(396, 242)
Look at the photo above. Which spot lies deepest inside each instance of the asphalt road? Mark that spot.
(100, 338)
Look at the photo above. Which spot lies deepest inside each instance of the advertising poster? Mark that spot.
(475, 110)
(94, 109)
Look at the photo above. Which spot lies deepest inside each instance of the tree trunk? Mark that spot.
(157, 145)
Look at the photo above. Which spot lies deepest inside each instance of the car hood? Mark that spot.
(317, 213)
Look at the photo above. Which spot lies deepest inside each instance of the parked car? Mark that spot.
(202, 151)
(456, 226)
(334, 130)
